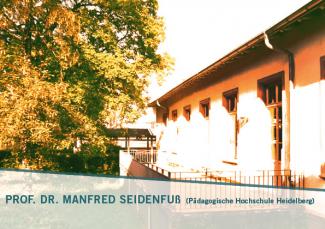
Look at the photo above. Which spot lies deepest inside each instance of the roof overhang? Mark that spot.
(128, 132)
(258, 41)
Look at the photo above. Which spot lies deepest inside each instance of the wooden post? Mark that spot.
(147, 143)
(128, 140)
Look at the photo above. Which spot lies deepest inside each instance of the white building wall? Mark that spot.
(205, 143)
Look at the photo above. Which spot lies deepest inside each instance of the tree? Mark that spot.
(70, 67)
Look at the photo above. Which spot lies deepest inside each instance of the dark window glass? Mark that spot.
(187, 112)
(205, 107)
(174, 115)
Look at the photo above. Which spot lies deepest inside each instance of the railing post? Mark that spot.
(259, 179)
(263, 177)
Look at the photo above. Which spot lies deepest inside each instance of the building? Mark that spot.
(259, 108)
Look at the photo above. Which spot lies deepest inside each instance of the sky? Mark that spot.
(199, 32)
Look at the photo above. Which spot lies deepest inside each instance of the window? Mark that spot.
(205, 107)
(229, 101)
(322, 67)
(270, 91)
(187, 112)
(174, 115)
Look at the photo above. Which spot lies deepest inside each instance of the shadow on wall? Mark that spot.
(315, 182)
(137, 169)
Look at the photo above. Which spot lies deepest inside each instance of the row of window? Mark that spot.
(269, 90)
(229, 101)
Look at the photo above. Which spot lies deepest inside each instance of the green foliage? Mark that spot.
(63, 160)
(70, 67)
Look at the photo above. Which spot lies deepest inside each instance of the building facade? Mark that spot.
(261, 107)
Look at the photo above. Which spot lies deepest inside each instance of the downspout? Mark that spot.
(158, 105)
(161, 131)
(291, 62)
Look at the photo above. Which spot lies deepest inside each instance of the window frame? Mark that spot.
(187, 112)
(174, 115)
(228, 96)
(275, 108)
(203, 104)
(264, 82)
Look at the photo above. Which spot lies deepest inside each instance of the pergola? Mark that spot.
(133, 138)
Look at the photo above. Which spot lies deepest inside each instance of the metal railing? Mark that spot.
(277, 178)
(144, 156)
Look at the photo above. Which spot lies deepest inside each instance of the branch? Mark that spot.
(8, 33)
(9, 19)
